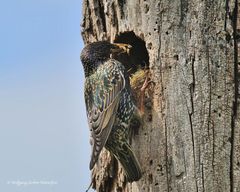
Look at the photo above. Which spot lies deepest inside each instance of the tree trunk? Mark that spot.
(190, 138)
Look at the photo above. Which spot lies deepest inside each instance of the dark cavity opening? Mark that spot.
(138, 57)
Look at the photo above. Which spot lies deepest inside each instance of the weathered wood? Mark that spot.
(192, 140)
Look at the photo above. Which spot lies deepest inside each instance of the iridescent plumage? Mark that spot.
(109, 105)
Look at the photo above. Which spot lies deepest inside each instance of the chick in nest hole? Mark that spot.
(139, 75)
(141, 90)
(140, 80)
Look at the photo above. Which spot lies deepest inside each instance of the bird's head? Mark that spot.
(95, 54)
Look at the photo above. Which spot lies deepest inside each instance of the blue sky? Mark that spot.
(44, 135)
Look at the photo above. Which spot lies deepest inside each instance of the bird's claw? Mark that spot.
(146, 84)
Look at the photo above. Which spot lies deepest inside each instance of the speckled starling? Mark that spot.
(109, 104)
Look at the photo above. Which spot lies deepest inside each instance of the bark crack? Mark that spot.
(102, 15)
(234, 107)
(193, 142)
(166, 152)
(226, 14)
(192, 90)
(203, 181)
(210, 89)
(115, 18)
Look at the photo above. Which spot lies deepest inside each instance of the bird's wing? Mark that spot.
(102, 95)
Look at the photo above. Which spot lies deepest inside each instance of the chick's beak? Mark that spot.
(121, 48)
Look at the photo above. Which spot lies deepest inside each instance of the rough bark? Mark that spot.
(190, 139)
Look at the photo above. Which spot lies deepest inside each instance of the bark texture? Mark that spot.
(190, 138)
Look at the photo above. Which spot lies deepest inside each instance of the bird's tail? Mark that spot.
(128, 160)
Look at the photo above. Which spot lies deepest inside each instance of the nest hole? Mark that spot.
(138, 57)
(136, 64)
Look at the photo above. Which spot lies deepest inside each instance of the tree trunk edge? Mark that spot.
(192, 142)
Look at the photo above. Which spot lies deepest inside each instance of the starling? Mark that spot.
(109, 104)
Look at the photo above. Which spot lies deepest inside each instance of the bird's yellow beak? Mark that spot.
(121, 48)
